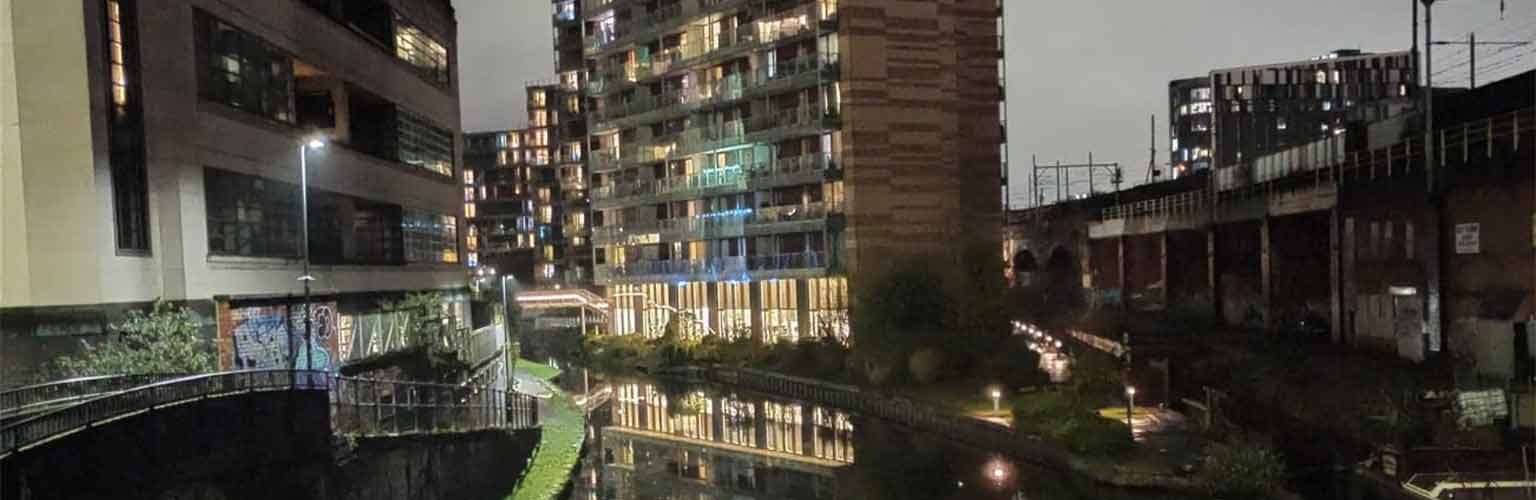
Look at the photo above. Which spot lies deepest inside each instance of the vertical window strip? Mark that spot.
(125, 130)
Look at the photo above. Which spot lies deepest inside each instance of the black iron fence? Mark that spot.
(359, 407)
(379, 407)
(33, 398)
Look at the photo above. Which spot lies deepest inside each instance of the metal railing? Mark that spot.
(32, 398)
(698, 270)
(1186, 203)
(792, 213)
(788, 261)
(411, 406)
(378, 407)
(58, 423)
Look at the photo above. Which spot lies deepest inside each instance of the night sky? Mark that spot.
(1083, 75)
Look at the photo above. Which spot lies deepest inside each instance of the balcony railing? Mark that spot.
(692, 270)
(788, 261)
(799, 169)
(792, 213)
(718, 225)
(730, 88)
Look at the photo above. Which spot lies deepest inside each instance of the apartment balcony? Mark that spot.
(702, 227)
(789, 123)
(788, 75)
(788, 265)
(719, 181)
(799, 218)
(668, 271)
(793, 171)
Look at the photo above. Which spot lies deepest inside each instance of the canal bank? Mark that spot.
(670, 435)
(963, 429)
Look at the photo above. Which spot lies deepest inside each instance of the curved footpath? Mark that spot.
(965, 429)
(561, 436)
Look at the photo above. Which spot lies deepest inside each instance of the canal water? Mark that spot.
(659, 438)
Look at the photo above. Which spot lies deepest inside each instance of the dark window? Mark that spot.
(243, 71)
(125, 128)
(251, 216)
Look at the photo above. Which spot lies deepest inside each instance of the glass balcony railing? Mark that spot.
(787, 261)
(713, 269)
(791, 170)
(730, 88)
(792, 213)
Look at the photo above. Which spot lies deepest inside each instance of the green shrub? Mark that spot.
(164, 339)
(1241, 470)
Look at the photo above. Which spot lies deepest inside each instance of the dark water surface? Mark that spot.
(660, 439)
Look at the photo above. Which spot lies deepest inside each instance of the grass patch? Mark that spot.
(564, 428)
(1061, 418)
(538, 370)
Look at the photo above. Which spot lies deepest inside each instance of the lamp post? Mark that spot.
(312, 143)
(996, 395)
(509, 368)
(1130, 409)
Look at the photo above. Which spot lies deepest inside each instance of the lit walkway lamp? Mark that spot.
(311, 143)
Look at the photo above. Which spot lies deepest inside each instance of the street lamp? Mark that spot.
(311, 143)
(996, 395)
(510, 367)
(1130, 408)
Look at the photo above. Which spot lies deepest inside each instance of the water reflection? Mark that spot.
(664, 441)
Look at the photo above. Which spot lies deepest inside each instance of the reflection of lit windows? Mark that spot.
(1322, 76)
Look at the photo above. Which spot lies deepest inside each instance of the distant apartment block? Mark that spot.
(749, 159)
(151, 149)
(1238, 114)
(526, 197)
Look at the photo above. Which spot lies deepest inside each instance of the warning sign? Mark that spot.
(1468, 238)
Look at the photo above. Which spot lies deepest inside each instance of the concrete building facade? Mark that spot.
(750, 159)
(151, 149)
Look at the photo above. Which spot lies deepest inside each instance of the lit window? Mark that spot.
(1322, 76)
(416, 47)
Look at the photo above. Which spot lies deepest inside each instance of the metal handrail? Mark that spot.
(20, 399)
(431, 407)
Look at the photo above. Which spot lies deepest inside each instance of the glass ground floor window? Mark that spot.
(777, 310)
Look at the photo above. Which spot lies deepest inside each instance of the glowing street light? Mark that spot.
(1130, 407)
(996, 395)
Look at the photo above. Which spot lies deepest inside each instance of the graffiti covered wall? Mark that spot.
(257, 337)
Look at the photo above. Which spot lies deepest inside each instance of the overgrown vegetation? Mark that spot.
(162, 339)
(1241, 470)
(1070, 416)
(423, 314)
(562, 430)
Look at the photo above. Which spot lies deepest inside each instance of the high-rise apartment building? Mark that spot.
(751, 158)
(152, 149)
(526, 197)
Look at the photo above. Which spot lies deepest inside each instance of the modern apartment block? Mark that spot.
(152, 149)
(1189, 125)
(1258, 110)
(750, 159)
(1239, 114)
(526, 196)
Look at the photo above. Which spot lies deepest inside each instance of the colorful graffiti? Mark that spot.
(260, 337)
